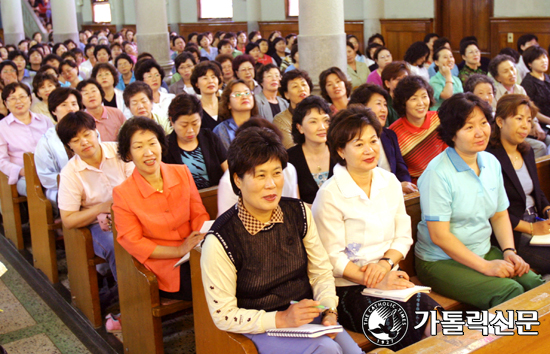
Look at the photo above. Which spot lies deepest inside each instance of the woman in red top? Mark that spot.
(158, 210)
(416, 130)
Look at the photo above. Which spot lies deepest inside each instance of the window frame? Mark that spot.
(287, 10)
(211, 19)
(99, 2)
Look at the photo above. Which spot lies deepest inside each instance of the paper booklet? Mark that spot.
(540, 240)
(204, 229)
(397, 295)
(305, 331)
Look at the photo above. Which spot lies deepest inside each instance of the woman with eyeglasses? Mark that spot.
(382, 57)
(152, 74)
(244, 65)
(269, 104)
(19, 133)
(237, 105)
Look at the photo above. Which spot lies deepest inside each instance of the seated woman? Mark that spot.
(416, 130)
(206, 49)
(283, 262)
(295, 57)
(20, 131)
(20, 59)
(253, 49)
(125, 66)
(472, 60)
(69, 70)
(227, 197)
(87, 181)
(158, 243)
(206, 79)
(264, 58)
(107, 76)
(463, 202)
(268, 102)
(295, 86)
(335, 88)
(226, 62)
(528, 204)
(357, 71)
(311, 155)
(244, 68)
(199, 149)
(50, 155)
(382, 57)
(391, 160)
(415, 57)
(444, 83)
(391, 75)
(362, 222)
(237, 105)
(153, 75)
(184, 63)
(43, 85)
(537, 82)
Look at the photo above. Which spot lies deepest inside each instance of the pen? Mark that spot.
(321, 307)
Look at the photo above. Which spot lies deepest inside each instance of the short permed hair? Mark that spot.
(124, 56)
(263, 70)
(102, 47)
(239, 60)
(72, 124)
(464, 45)
(292, 75)
(201, 70)
(105, 66)
(17, 53)
(440, 42)
(531, 54)
(406, 88)
(363, 93)
(9, 89)
(323, 81)
(40, 79)
(68, 62)
(375, 36)
(146, 66)
(134, 125)
(224, 112)
(252, 147)
(377, 52)
(476, 79)
(250, 46)
(82, 84)
(393, 70)
(416, 51)
(184, 105)
(346, 125)
(50, 57)
(496, 61)
(454, 113)
(182, 58)
(133, 89)
(302, 110)
(60, 95)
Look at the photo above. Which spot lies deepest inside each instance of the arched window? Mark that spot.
(209, 9)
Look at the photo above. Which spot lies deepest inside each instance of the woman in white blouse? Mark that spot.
(362, 222)
(152, 74)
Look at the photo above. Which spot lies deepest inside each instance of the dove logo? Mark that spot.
(385, 323)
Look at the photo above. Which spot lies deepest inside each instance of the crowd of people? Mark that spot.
(310, 188)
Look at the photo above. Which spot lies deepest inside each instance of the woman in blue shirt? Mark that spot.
(463, 202)
(444, 83)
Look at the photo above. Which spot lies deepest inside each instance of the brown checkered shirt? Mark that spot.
(253, 225)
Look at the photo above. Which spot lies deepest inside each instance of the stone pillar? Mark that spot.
(373, 11)
(152, 31)
(64, 21)
(12, 21)
(322, 38)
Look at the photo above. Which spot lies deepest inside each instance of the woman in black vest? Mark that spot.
(264, 253)
(528, 204)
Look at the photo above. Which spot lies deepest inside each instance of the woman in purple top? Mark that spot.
(382, 57)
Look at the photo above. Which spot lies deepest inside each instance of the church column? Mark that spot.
(64, 20)
(12, 21)
(152, 31)
(322, 38)
(373, 11)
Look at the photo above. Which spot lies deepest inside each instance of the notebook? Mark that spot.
(540, 240)
(397, 295)
(305, 331)
(204, 229)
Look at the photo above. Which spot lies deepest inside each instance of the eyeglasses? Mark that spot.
(187, 67)
(15, 99)
(246, 69)
(270, 76)
(104, 74)
(9, 71)
(148, 77)
(241, 94)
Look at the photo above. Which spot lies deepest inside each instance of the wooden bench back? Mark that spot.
(11, 211)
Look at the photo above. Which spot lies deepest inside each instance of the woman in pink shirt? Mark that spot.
(19, 133)
(158, 210)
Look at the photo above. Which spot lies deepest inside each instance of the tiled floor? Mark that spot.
(27, 324)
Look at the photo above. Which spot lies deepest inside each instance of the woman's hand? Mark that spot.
(445, 71)
(520, 266)
(298, 314)
(330, 320)
(374, 273)
(395, 280)
(541, 227)
(190, 242)
(408, 187)
(499, 268)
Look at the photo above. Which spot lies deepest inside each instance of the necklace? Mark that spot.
(160, 190)
(515, 159)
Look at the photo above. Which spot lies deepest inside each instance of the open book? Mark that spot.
(397, 295)
(305, 331)
(204, 229)
(540, 240)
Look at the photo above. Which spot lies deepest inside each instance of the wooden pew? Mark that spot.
(543, 171)
(11, 211)
(41, 221)
(140, 304)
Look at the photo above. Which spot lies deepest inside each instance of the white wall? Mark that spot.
(410, 8)
(272, 10)
(353, 9)
(522, 8)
